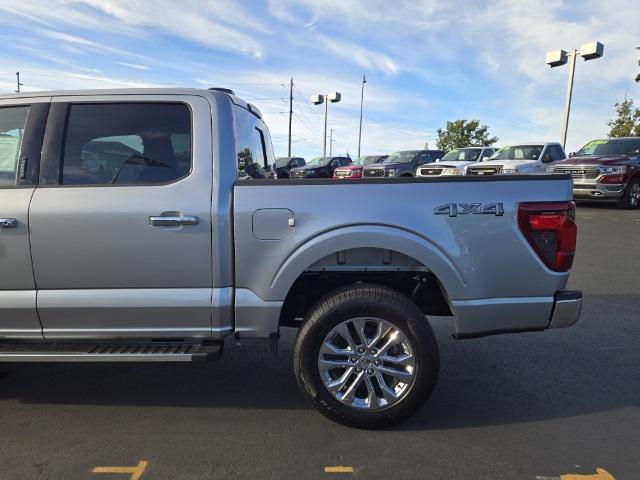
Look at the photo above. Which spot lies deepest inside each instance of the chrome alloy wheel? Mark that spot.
(634, 195)
(367, 363)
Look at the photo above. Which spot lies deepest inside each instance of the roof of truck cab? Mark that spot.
(114, 91)
(202, 92)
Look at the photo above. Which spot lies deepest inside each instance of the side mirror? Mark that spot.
(484, 159)
(547, 158)
(572, 154)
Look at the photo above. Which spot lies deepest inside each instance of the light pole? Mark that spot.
(557, 58)
(364, 80)
(331, 140)
(333, 97)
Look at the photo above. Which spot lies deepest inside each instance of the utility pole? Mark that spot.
(18, 84)
(331, 140)
(364, 80)
(290, 112)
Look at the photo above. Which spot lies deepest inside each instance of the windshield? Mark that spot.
(282, 162)
(518, 152)
(318, 162)
(401, 157)
(610, 147)
(368, 160)
(462, 155)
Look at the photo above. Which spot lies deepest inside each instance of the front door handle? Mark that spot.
(173, 221)
(8, 223)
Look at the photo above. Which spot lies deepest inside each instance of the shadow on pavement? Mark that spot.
(591, 367)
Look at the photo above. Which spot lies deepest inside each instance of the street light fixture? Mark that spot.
(333, 97)
(557, 58)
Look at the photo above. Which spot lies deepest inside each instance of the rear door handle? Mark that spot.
(173, 221)
(8, 223)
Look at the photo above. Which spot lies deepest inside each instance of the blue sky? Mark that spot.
(426, 61)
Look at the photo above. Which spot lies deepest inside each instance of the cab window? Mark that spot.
(126, 144)
(12, 123)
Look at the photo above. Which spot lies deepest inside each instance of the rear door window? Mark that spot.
(126, 144)
(12, 123)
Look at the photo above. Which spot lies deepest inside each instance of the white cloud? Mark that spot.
(135, 66)
(220, 23)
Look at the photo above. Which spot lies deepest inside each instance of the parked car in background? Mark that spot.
(522, 158)
(606, 169)
(284, 164)
(402, 164)
(319, 167)
(355, 169)
(456, 161)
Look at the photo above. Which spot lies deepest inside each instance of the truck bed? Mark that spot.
(491, 277)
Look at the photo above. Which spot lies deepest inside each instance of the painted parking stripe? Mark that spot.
(136, 472)
(338, 469)
(601, 474)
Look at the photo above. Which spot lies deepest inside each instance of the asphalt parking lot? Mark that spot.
(523, 406)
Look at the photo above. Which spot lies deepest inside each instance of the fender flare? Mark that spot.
(381, 236)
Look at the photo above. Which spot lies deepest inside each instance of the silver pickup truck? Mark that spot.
(132, 229)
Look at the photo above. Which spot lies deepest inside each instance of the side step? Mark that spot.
(111, 352)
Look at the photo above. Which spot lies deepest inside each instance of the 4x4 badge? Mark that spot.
(455, 209)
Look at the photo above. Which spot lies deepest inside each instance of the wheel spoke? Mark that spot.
(372, 396)
(402, 375)
(387, 392)
(329, 348)
(350, 393)
(394, 338)
(331, 364)
(358, 326)
(336, 385)
(344, 332)
(405, 360)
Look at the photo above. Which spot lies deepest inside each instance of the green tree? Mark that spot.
(462, 133)
(627, 122)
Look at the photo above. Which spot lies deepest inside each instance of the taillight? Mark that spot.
(551, 230)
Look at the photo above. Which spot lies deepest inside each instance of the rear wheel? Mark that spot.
(631, 197)
(366, 357)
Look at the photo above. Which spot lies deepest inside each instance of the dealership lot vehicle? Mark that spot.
(606, 170)
(523, 158)
(319, 167)
(456, 161)
(355, 169)
(402, 164)
(163, 259)
(284, 164)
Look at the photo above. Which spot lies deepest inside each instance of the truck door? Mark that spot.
(21, 128)
(121, 224)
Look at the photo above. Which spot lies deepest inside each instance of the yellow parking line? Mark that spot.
(601, 474)
(136, 472)
(338, 469)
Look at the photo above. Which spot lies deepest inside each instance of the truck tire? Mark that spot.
(630, 199)
(366, 356)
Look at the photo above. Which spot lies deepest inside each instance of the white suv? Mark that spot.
(456, 161)
(521, 158)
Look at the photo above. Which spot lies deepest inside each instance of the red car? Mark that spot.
(355, 169)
